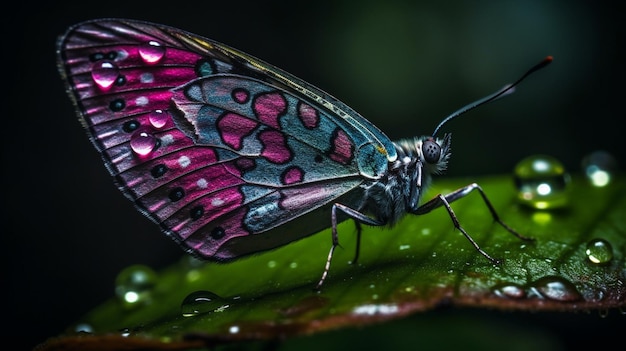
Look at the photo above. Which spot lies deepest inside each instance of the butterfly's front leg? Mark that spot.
(445, 200)
(358, 218)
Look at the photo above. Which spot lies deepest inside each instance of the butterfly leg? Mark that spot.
(358, 218)
(357, 250)
(445, 200)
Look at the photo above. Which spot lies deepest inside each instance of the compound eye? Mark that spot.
(431, 151)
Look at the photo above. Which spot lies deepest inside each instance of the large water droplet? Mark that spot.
(541, 182)
(200, 302)
(599, 251)
(158, 118)
(143, 142)
(104, 74)
(556, 288)
(134, 284)
(151, 52)
(599, 168)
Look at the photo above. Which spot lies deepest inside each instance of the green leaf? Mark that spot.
(420, 263)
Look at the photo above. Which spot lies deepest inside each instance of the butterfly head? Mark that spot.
(428, 153)
(434, 153)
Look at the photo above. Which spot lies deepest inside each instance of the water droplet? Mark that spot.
(271, 264)
(104, 74)
(541, 182)
(201, 302)
(192, 267)
(134, 284)
(510, 290)
(556, 288)
(599, 251)
(158, 118)
(233, 329)
(143, 142)
(83, 328)
(151, 52)
(599, 167)
(595, 293)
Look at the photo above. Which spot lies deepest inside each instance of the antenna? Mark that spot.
(508, 89)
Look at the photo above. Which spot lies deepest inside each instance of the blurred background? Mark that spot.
(404, 65)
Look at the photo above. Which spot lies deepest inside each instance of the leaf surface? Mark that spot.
(419, 264)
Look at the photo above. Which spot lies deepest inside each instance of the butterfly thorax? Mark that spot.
(399, 191)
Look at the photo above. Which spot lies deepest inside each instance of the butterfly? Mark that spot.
(232, 156)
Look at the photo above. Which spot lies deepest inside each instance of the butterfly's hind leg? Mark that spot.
(445, 200)
(359, 219)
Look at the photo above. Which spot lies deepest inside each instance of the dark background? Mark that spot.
(67, 231)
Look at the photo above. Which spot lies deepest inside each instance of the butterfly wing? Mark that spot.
(225, 152)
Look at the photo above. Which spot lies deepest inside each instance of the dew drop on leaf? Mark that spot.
(201, 302)
(510, 290)
(541, 182)
(133, 285)
(555, 288)
(83, 328)
(599, 168)
(599, 251)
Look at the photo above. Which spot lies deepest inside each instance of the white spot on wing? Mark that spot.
(141, 101)
(184, 161)
(146, 78)
(202, 183)
(167, 139)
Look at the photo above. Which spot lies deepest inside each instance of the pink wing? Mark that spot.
(205, 143)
